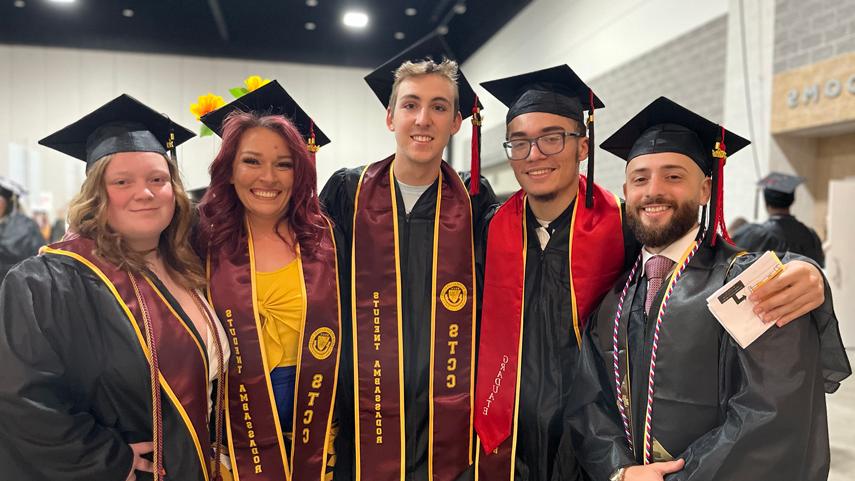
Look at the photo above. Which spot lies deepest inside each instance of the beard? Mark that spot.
(684, 219)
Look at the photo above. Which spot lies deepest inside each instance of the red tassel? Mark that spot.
(718, 221)
(475, 167)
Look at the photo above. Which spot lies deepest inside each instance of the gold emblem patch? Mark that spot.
(453, 296)
(322, 343)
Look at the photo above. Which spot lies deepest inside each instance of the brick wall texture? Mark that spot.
(810, 31)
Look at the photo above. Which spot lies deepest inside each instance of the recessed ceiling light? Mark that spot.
(355, 19)
(62, 1)
(312, 3)
(410, 12)
(310, 26)
(127, 13)
(460, 8)
(442, 30)
(20, 3)
(399, 35)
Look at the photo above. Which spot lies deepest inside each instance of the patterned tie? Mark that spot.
(656, 268)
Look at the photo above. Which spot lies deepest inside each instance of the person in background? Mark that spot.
(782, 231)
(20, 237)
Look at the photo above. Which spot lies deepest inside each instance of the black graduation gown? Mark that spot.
(732, 414)
(74, 383)
(549, 355)
(416, 244)
(781, 233)
(19, 238)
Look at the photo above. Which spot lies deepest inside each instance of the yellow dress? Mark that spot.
(280, 306)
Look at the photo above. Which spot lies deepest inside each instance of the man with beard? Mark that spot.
(553, 250)
(683, 387)
(404, 231)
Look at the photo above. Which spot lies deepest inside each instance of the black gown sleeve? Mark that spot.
(774, 421)
(19, 238)
(38, 423)
(590, 418)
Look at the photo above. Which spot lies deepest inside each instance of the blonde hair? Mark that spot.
(87, 216)
(446, 69)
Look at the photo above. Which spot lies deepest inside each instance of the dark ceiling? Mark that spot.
(255, 29)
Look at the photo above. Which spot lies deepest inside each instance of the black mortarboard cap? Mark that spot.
(783, 183)
(666, 126)
(556, 90)
(432, 47)
(269, 99)
(779, 190)
(123, 124)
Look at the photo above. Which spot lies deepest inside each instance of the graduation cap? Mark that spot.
(434, 48)
(270, 99)
(557, 90)
(665, 126)
(779, 190)
(10, 188)
(123, 124)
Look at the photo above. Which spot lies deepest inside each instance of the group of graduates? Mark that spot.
(400, 324)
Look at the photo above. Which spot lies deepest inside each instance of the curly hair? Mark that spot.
(221, 212)
(87, 216)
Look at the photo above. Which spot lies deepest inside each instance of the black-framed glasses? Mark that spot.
(547, 144)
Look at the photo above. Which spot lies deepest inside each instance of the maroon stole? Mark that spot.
(377, 320)
(256, 443)
(183, 374)
(594, 267)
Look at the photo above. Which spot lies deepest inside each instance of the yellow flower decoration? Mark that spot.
(254, 81)
(206, 103)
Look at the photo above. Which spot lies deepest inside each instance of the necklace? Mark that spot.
(648, 418)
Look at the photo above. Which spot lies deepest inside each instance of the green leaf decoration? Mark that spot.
(205, 131)
(238, 92)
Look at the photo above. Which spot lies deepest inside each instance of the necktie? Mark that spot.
(656, 268)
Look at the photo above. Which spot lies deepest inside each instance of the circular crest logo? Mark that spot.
(322, 343)
(453, 296)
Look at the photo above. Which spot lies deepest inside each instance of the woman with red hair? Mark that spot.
(272, 277)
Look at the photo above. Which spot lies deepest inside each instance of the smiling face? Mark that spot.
(547, 177)
(140, 200)
(263, 174)
(423, 118)
(663, 193)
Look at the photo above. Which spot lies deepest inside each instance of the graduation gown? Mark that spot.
(415, 235)
(75, 385)
(550, 354)
(731, 413)
(19, 238)
(781, 233)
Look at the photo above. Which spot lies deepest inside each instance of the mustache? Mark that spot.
(656, 200)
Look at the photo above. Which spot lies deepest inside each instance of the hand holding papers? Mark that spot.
(732, 307)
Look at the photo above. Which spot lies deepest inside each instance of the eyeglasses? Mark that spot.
(548, 144)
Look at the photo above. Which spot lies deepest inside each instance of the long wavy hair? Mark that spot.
(222, 225)
(87, 216)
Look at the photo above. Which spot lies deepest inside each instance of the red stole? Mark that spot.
(182, 357)
(256, 443)
(595, 264)
(377, 323)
